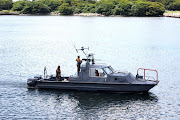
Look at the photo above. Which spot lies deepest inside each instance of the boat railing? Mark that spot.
(145, 77)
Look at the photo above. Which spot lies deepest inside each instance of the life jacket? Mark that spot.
(58, 72)
(78, 61)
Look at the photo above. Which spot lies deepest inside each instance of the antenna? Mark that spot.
(82, 49)
(45, 72)
(89, 55)
(75, 48)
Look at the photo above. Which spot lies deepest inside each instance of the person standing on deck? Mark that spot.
(58, 73)
(78, 64)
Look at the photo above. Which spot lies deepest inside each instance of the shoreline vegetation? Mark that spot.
(122, 8)
(174, 14)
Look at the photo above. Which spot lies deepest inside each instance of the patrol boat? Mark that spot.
(97, 77)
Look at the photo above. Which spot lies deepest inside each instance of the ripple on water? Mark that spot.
(29, 43)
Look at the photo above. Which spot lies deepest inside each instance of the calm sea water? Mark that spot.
(28, 43)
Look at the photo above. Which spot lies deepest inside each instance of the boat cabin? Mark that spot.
(90, 72)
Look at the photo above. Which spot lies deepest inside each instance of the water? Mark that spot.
(28, 43)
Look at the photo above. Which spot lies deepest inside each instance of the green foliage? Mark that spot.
(161, 1)
(127, 8)
(130, 8)
(174, 6)
(89, 8)
(123, 8)
(79, 6)
(105, 7)
(86, 6)
(18, 5)
(35, 7)
(117, 10)
(65, 9)
(68, 1)
(76, 10)
(149, 9)
(52, 4)
(169, 4)
(5, 4)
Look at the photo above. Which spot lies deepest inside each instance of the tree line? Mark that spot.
(104, 7)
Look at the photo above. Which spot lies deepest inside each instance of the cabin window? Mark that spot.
(96, 72)
(108, 70)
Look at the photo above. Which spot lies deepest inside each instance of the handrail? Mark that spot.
(149, 70)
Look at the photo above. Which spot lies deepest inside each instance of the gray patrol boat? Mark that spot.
(97, 77)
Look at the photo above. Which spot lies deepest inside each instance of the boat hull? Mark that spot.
(108, 87)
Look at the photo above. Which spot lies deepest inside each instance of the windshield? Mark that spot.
(109, 70)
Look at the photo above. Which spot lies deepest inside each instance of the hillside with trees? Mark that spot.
(104, 7)
(5, 4)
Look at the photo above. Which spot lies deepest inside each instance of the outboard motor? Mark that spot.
(38, 77)
(33, 81)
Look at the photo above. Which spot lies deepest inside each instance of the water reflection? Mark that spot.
(92, 100)
(81, 95)
(92, 105)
